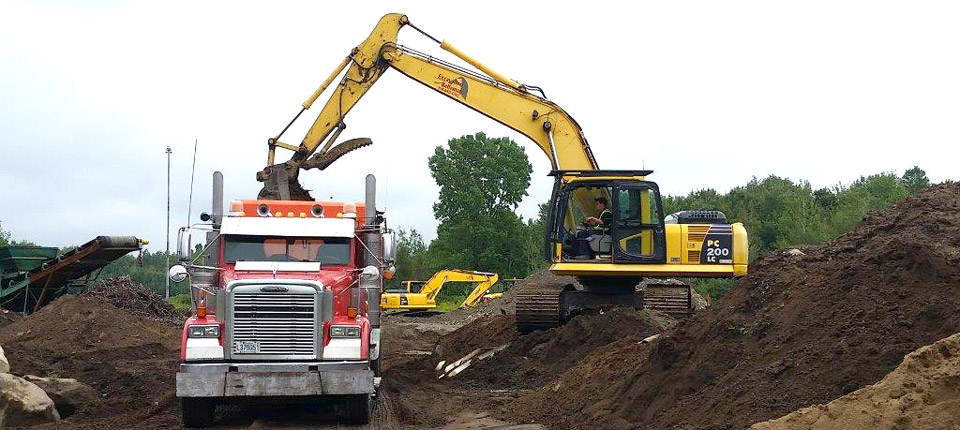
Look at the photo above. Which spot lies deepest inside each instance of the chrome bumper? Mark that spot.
(274, 379)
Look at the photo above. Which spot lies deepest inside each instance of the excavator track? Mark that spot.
(671, 297)
(539, 308)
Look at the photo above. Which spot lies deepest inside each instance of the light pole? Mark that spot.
(166, 293)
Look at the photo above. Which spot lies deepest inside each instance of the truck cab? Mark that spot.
(286, 301)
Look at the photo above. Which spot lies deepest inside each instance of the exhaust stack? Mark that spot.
(217, 199)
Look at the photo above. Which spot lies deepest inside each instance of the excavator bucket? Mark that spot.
(282, 184)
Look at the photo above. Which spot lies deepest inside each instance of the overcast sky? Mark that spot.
(705, 93)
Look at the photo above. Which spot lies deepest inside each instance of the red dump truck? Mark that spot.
(286, 298)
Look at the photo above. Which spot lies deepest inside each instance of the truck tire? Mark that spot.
(357, 410)
(197, 411)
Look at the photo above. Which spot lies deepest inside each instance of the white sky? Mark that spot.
(706, 93)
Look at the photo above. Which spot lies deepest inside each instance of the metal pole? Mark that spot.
(166, 293)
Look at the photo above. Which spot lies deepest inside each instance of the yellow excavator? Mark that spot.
(418, 295)
(605, 227)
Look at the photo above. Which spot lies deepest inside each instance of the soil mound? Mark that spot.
(132, 296)
(923, 393)
(528, 362)
(535, 359)
(804, 327)
(8, 317)
(129, 360)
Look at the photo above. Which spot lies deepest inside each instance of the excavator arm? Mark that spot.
(481, 289)
(487, 92)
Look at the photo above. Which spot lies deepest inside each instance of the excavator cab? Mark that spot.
(635, 232)
(639, 243)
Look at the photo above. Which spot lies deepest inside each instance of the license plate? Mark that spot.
(246, 347)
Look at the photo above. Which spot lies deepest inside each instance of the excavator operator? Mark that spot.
(601, 226)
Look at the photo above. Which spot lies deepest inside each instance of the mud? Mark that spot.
(129, 360)
(803, 328)
(923, 392)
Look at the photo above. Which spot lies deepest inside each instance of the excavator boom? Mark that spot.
(502, 99)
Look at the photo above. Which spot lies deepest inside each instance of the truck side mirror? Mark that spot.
(183, 244)
(390, 247)
(177, 273)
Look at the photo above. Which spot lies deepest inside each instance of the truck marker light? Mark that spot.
(351, 312)
(201, 304)
(278, 214)
(236, 206)
(303, 214)
(290, 214)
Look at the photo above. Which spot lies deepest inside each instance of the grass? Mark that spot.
(180, 301)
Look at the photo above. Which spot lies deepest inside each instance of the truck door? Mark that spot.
(638, 232)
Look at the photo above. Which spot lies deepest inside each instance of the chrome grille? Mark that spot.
(284, 324)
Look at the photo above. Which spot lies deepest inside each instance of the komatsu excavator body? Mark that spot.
(610, 260)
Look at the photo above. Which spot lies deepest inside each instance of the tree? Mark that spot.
(482, 180)
(479, 174)
(4, 236)
(915, 179)
(412, 261)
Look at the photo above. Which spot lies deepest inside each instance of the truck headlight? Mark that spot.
(342, 331)
(203, 331)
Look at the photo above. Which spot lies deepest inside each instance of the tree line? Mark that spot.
(483, 179)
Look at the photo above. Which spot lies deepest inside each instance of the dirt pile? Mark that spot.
(528, 362)
(8, 317)
(536, 359)
(923, 393)
(127, 294)
(804, 328)
(129, 360)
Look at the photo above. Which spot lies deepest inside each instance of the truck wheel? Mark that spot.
(197, 411)
(357, 410)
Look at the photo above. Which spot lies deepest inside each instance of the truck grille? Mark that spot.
(283, 324)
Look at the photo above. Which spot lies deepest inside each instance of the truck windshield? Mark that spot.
(326, 250)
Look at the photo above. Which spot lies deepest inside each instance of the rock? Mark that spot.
(69, 395)
(4, 364)
(795, 252)
(24, 404)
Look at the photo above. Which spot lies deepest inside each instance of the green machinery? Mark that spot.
(32, 276)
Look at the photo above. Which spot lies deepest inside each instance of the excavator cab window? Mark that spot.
(638, 231)
(573, 222)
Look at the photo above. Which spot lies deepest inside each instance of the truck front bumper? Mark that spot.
(275, 379)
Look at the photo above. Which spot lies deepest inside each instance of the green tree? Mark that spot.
(915, 179)
(482, 180)
(412, 261)
(4, 236)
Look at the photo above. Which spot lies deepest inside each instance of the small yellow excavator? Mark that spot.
(419, 295)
